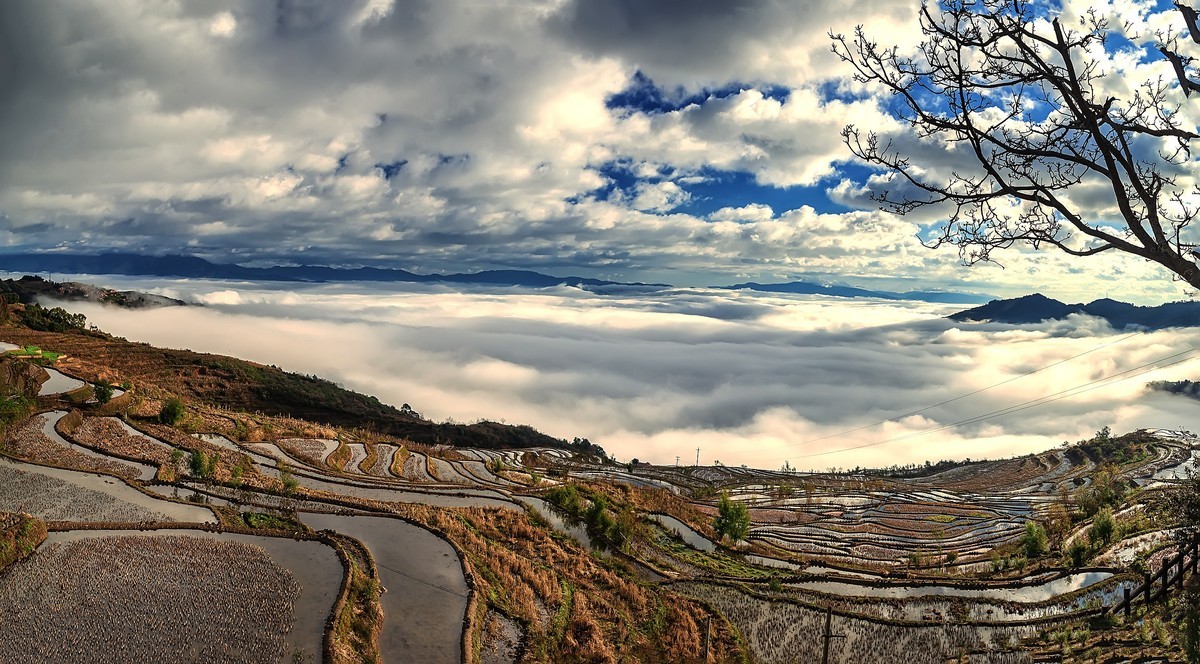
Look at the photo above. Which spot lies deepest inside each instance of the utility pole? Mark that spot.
(697, 456)
(829, 635)
(676, 460)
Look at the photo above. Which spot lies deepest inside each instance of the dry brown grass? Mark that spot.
(338, 458)
(576, 607)
(398, 461)
(368, 463)
(108, 435)
(20, 534)
(26, 441)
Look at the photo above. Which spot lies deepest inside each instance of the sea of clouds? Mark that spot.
(749, 378)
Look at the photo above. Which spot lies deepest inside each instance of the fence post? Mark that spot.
(1148, 581)
(1164, 573)
(1127, 601)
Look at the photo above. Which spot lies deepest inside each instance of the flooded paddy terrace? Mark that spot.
(229, 598)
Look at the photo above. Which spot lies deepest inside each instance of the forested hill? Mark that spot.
(1037, 308)
(247, 386)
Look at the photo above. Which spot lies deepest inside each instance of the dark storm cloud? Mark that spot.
(678, 33)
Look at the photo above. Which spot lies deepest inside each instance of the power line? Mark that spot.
(422, 581)
(896, 418)
(1056, 396)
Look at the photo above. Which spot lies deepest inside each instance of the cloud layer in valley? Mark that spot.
(747, 377)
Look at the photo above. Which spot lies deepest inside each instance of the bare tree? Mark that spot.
(1040, 154)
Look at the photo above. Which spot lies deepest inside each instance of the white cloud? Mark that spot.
(748, 377)
(256, 130)
(223, 25)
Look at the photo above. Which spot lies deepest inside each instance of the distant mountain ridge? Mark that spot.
(808, 288)
(1037, 308)
(135, 265)
(199, 268)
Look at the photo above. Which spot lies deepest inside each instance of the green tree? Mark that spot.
(1022, 105)
(1183, 501)
(1077, 553)
(199, 464)
(103, 393)
(1034, 541)
(56, 319)
(172, 411)
(1107, 488)
(733, 519)
(1188, 624)
(1102, 528)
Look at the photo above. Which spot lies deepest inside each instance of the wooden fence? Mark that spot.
(1157, 585)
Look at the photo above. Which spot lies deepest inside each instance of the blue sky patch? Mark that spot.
(712, 189)
(643, 96)
(391, 169)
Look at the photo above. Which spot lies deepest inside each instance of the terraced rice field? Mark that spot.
(784, 632)
(112, 435)
(59, 383)
(104, 600)
(55, 494)
(426, 594)
(36, 440)
(840, 541)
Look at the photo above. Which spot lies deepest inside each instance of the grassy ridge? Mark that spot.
(247, 386)
(20, 534)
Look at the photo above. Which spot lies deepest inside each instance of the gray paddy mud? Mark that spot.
(258, 599)
(783, 633)
(575, 530)
(59, 383)
(426, 599)
(69, 495)
(138, 434)
(145, 471)
(1026, 594)
(469, 498)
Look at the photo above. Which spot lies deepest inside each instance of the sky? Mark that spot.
(748, 377)
(691, 143)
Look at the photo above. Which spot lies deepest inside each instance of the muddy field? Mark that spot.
(783, 633)
(154, 599)
(33, 440)
(54, 499)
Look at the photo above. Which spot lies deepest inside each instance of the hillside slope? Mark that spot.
(242, 385)
(1036, 308)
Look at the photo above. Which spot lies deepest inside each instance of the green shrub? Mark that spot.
(1034, 540)
(566, 498)
(1102, 528)
(14, 408)
(733, 519)
(52, 320)
(171, 412)
(290, 483)
(103, 393)
(199, 464)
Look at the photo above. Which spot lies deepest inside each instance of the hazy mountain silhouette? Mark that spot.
(199, 268)
(192, 267)
(808, 288)
(1037, 308)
